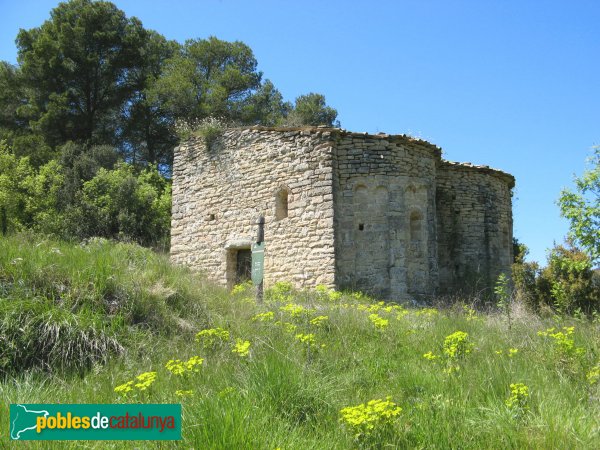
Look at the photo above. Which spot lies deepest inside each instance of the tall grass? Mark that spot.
(66, 307)
(287, 393)
(37, 334)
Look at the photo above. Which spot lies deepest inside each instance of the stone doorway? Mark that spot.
(239, 266)
(243, 265)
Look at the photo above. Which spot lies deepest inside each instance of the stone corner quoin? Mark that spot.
(383, 214)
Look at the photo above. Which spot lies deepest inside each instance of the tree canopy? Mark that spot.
(78, 66)
(93, 90)
(311, 109)
(582, 208)
(91, 75)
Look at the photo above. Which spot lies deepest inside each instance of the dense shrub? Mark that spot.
(122, 204)
(568, 283)
(28, 196)
(84, 198)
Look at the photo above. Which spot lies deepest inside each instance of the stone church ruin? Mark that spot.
(381, 214)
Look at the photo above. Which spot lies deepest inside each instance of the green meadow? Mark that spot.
(79, 323)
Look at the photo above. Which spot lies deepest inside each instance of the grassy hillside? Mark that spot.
(79, 321)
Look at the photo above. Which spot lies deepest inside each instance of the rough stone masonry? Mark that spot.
(383, 214)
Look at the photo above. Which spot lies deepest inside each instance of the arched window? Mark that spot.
(281, 204)
(416, 226)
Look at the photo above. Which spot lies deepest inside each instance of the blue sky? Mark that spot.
(511, 84)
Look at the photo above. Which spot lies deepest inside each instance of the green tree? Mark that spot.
(15, 114)
(11, 97)
(13, 195)
(123, 204)
(311, 109)
(568, 283)
(93, 87)
(520, 251)
(44, 189)
(80, 163)
(266, 106)
(582, 208)
(29, 197)
(77, 66)
(209, 77)
(147, 134)
(568, 280)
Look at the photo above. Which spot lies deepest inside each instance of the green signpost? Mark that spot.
(258, 262)
(258, 259)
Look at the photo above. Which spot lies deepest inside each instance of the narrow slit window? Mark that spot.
(416, 226)
(281, 204)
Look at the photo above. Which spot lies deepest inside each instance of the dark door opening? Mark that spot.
(243, 267)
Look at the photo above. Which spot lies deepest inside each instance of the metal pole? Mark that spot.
(260, 237)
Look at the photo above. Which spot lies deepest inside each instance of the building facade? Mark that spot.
(380, 213)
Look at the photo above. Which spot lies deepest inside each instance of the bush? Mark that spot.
(209, 129)
(29, 196)
(568, 283)
(123, 205)
(12, 195)
(84, 199)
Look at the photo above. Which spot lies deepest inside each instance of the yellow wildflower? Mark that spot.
(319, 320)
(241, 347)
(593, 376)
(519, 396)
(242, 288)
(374, 308)
(294, 309)
(401, 315)
(564, 343)
(366, 419)
(181, 393)
(470, 313)
(379, 322)
(175, 366)
(145, 380)
(193, 364)
(430, 356)
(212, 337)
(308, 339)
(457, 345)
(334, 296)
(264, 317)
(280, 292)
(125, 388)
(287, 326)
(427, 312)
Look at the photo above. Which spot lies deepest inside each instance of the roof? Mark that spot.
(484, 169)
(342, 132)
(389, 137)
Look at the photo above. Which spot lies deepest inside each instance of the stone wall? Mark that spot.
(377, 213)
(218, 194)
(474, 226)
(384, 191)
